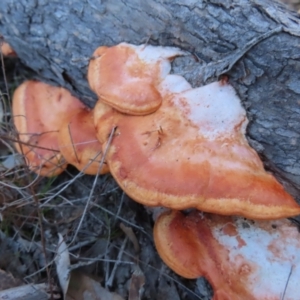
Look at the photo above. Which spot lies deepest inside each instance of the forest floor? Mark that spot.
(107, 238)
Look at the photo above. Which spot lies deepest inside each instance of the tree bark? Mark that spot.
(255, 42)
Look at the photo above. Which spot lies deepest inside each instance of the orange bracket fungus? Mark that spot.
(38, 110)
(6, 49)
(192, 152)
(79, 145)
(241, 259)
(126, 76)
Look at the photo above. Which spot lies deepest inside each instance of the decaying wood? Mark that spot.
(255, 42)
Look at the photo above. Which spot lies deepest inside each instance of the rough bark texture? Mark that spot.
(255, 42)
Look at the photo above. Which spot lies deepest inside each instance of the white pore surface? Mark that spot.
(214, 108)
(173, 84)
(153, 54)
(272, 253)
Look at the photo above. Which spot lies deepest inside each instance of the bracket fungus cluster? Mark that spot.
(172, 145)
(191, 151)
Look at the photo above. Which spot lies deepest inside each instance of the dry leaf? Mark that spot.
(8, 281)
(136, 284)
(62, 261)
(132, 237)
(83, 287)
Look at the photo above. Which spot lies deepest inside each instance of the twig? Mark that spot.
(96, 259)
(120, 254)
(132, 237)
(4, 74)
(119, 208)
(94, 184)
(225, 64)
(123, 220)
(73, 146)
(287, 282)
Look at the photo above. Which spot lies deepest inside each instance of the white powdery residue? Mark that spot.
(152, 54)
(173, 84)
(272, 268)
(216, 110)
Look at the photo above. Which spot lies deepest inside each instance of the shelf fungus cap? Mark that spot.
(242, 259)
(6, 49)
(126, 76)
(79, 145)
(38, 110)
(192, 153)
